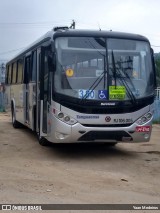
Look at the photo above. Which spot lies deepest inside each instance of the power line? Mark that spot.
(154, 45)
(8, 24)
(9, 51)
(26, 25)
(43, 22)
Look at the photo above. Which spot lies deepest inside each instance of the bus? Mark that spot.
(75, 86)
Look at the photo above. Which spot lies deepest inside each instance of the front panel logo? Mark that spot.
(108, 119)
(108, 104)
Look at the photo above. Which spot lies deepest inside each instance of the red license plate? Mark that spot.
(143, 128)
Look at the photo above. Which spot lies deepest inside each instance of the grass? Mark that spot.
(156, 122)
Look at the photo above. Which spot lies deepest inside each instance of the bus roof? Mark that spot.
(99, 33)
(50, 35)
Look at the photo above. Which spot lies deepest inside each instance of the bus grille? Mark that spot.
(107, 125)
(104, 135)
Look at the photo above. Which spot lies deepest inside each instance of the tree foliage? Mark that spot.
(157, 62)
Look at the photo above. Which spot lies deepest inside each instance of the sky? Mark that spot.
(24, 21)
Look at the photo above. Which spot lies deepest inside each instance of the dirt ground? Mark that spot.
(76, 173)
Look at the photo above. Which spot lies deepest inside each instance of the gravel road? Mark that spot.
(76, 173)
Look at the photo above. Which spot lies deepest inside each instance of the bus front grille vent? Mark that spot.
(107, 125)
(105, 135)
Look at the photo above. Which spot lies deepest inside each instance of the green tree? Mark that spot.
(157, 62)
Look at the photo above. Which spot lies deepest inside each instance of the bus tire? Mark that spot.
(15, 123)
(111, 144)
(43, 141)
(34, 116)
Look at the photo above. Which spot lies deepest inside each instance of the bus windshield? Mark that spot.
(103, 69)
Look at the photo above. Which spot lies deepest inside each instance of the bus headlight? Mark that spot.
(60, 115)
(65, 118)
(144, 119)
(149, 115)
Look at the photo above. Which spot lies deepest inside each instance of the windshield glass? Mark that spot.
(130, 69)
(103, 69)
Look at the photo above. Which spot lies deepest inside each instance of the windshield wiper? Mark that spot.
(128, 89)
(114, 69)
(99, 79)
(115, 72)
(94, 85)
(125, 73)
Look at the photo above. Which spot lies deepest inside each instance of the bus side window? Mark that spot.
(9, 73)
(34, 66)
(46, 70)
(20, 71)
(6, 76)
(27, 72)
(14, 72)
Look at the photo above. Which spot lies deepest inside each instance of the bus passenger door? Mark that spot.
(42, 86)
(27, 72)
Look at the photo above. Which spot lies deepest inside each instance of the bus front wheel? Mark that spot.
(42, 141)
(15, 123)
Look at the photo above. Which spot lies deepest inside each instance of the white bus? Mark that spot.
(75, 86)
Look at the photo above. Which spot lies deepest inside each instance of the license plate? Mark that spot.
(142, 128)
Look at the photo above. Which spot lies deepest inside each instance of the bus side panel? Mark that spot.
(17, 95)
(7, 98)
(32, 104)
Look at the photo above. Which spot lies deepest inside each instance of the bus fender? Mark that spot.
(13, 106)
(15, 123)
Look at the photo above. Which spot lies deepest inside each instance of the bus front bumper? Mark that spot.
(64, 133)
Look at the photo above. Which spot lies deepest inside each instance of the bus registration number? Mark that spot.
(88, 94)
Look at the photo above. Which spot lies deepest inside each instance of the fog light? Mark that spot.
(146, 136)
(60, 136)
(60, 115)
